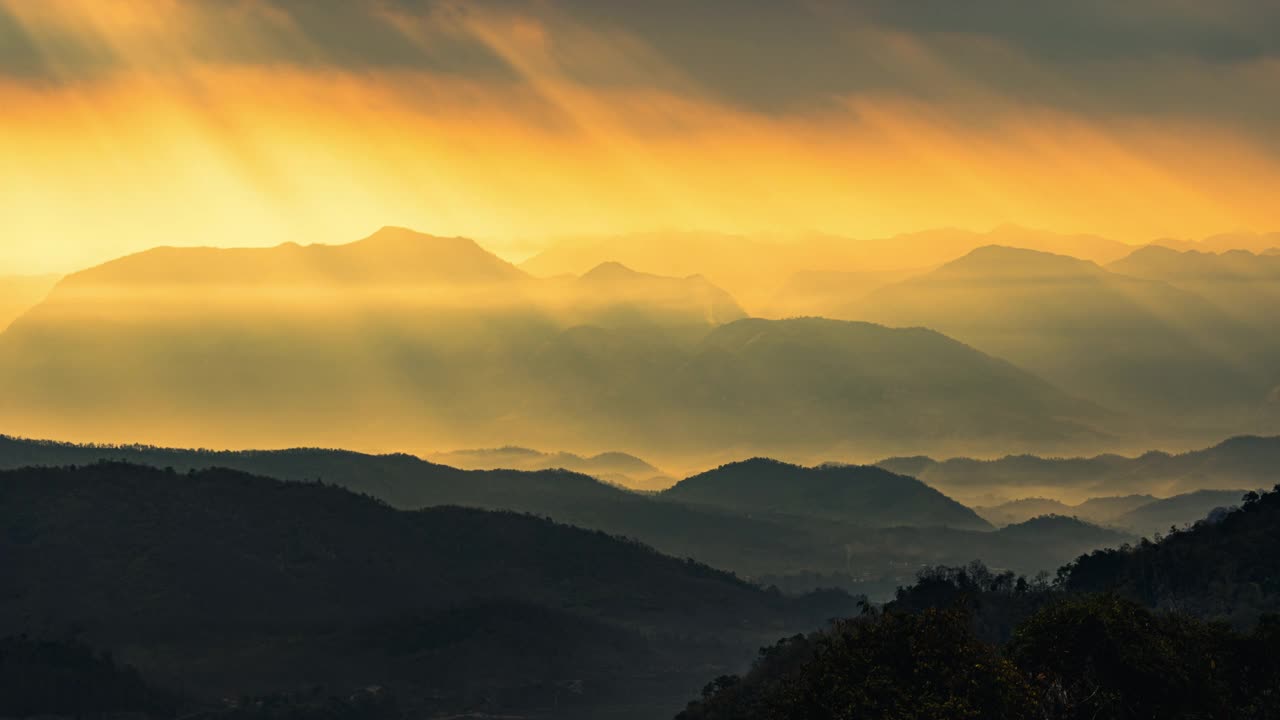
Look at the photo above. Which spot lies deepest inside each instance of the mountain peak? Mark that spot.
(392, 255)
(1011, 261)
(611, 271)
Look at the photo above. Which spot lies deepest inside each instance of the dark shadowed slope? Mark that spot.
(859, 495)
(224, 583)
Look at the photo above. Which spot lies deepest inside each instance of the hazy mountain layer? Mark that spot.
(1137, 345)
(1178, 511)
(1225, 242)
(409, 341)
(1241, 462)
(1100, 510)
(613, 467)
(1244, 286)
(755, 269)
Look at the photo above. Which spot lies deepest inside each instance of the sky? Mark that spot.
(135, 123)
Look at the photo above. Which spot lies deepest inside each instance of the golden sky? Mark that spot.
(134, 123)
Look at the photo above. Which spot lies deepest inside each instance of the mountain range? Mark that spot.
(855, 527)
(410, 341)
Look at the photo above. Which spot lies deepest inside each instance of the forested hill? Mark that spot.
(1120, 634)
(863, 494)
(1225, 567)
(222, 582)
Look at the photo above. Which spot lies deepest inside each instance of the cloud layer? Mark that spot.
(134, 123)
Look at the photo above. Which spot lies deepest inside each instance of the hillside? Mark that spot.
(1135, 345)
(858, 495)
(222, 583)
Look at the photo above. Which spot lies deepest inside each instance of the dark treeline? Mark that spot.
(1172, 628)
